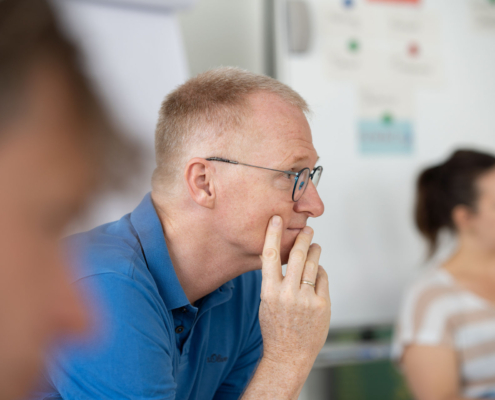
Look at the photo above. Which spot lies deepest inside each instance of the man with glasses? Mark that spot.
(178, 279)
(301, 178)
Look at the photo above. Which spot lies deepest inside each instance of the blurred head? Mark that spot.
(52, 139)
(458, 195)
(248, 118)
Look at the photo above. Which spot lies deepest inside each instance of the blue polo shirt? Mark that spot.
(150, 342)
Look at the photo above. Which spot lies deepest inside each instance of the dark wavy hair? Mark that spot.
(442, 187)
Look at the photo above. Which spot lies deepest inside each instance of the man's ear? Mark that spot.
(199, 182)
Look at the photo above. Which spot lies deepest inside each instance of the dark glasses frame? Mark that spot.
(296, 174)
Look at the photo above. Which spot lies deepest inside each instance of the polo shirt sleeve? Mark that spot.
(244, 368)
(127, 357)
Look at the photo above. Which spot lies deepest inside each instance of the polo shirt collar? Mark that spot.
(150, 232)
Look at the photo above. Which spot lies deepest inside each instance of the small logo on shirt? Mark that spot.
(216, 358)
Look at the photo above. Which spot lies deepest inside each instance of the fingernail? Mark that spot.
(307, 230)
(276, 220)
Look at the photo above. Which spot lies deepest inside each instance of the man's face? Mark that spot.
(44, 177)
(277, 136)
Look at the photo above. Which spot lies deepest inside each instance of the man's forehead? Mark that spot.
(286, 152)
(281, 132)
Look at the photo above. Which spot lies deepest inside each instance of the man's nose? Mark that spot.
(310, 202)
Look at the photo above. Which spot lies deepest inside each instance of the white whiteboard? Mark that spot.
(370, 247)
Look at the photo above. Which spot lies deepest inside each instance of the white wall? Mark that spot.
(225, 32)
(136, 57)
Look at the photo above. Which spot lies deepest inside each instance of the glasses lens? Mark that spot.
(317, 176)
(301, 184)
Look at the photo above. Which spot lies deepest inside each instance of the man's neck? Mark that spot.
(202, 263)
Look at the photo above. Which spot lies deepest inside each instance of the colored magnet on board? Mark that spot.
(387, 118)
(353, 46)
(413, 50)
(349, 3)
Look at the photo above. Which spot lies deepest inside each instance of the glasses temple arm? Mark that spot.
(271, 169)
(249, 165)
(221, 160)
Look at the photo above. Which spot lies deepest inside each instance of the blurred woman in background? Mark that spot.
(56, 149)
(445, 338)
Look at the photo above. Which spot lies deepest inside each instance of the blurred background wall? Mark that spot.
(134, 51)
(223, 32)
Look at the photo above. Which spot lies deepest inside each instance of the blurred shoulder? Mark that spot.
(427, 307)
(431, 286)
(110, 248)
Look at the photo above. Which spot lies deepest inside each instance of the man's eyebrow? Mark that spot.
(296, 159)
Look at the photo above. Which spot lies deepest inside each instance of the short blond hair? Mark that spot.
(206, 107)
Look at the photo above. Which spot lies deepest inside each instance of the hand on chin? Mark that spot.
(288, 240)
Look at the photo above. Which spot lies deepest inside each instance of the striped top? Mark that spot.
(436, 311)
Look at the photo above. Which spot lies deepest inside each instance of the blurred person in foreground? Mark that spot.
(53, 137)
(178, 278)
(445, 338)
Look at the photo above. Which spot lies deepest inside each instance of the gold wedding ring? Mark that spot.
(308, 283)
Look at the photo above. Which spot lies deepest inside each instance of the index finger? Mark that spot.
(272, 266)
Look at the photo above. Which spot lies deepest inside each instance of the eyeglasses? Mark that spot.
(301, 178)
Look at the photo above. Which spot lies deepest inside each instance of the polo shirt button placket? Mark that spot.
(179, 329)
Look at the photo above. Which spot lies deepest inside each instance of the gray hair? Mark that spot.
(206, 107)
